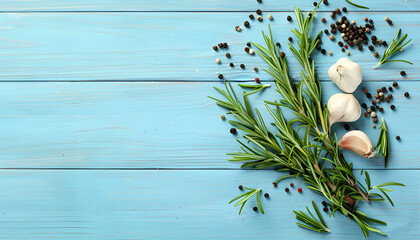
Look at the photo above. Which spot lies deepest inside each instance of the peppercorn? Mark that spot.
(255, 69)
(215, 48)
(332, 37)
(330, 53)
(225, 45)
(345, 46)
(392, 107)
(251, 51)
(277, 44)
(365, 18)
(222, 117)
(257, 80)
(266, 195)
(290, 39)
(333, 30)
(286, 189)
(343, 50)
(370, 21)
(390, 96)
(373, 125)
(378, 90)
(366, 113)
(370, 47)
(403, 73)
(348, 53)
(233, 130)
(390, 22)
(375, 119)
(258, 11)
(251, 16)
(246, 24)
(259, 18)
(231, 64)
(323, 51)
(398, 138)
(274, 184)
(406, 94)
(372, 108)
(395, 84)
(360, 47)
(255, 209)
(368, 95)
(242, 66)
(387, 99)
(364, 105)
(292, 185)
(299, 189)
(344, 9)
(325, 209)
(376, 54)
(218, 61)
(228, 55)
(270, 17)
(282, 54)
(240, 187)
(369, 110)
(347, 127)
(390, 88)
(323, 20)
(337, 10)
(220, 45)
(381, 109)
(384, 43)
(374, 102)
(340, 44)
(220, 76)
(289, 18)
(324, 203)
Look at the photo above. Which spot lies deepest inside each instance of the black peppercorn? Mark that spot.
(368, 95)
(233, 130)
(255, 69)
(374, 102)
(371, 48)
(282, 54)
(373, 38)
(390, 22)
(360, 47)
(332, 25)
(347, 127)
(228, 55)
(289, 18)
(392, 107)
(323, 51)
(395, 84)
(318, 47)
(286, 189)
(220, 76)
(274, 184)
(344, 9)
(277, 44)
(326, 31)
(266, 195)
(383, 89)
(290, 39)
(220, 45)
(258, 11)
(403, 73)
(343, 50)
(251, 16)
(215, 48)
(325, 209)
(398, 138)
(255, 209)
(246, 24)
(381, 109)
(364, 105)
(406, 94)
(372, 108)
(323, 20)
(240, 187)
(315, 3)
(340, 44)
(225, 45)
(333, 30)
(324, 203)
(384, 43)
(242, 66)
(231, 64)
(370, 21)
(390, 88)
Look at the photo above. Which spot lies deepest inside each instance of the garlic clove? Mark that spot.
(346, 74)
(358, 142)
(343, 108)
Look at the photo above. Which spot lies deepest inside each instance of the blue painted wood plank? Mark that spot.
(193, 5)
(157, 125)
(160, 46)
(178, 204)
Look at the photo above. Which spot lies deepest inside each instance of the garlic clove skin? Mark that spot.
(343, 108)
(346, 74)
(358, 142)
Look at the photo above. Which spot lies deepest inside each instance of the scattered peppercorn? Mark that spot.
(266, 195)
(315, 3)
(231, 64)
(286, 189)
(299, 189)
(383, 89)
(259, 18)
(215, 48)
(225, 45)
(390, 88)
(372, 108)
(292, 185)
(251, 51)
(344, 9)
(242, 66)
(258, 11)
(251, 16)
(403, 73)
(390, 22)
(323, 20)
(370, 47)
(255, 209)
(324, 203)
(222, 117)
(366, 113)
(406, 94)
(376, 54)
(323, 51)
(228, 55)
(282, 54)
(395, 84)
(325, 209)
(246, 24)
(364, 105)
(270, 17)
(337, 10)
(277, 44)
(233, 130)
(289, 18)
(218, 61)
(240, 187)
(257, 80)
(290, 39)
(381, 109)
(392, 107)
(255, 69)
(398, 138)
(347, 127)
(390, 96)
(330, 53)
(220, 76)
(246, 49)
(368, 95)
(274, 184)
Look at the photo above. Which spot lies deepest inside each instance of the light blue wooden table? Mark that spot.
(106, 131)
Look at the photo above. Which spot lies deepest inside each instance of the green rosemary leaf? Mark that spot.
(387, 197)
(396, 45)
(283, 177)
(390, 184)
(356, 5)
(312, 223)
(246, 196)
(382, 146)
(259, 203)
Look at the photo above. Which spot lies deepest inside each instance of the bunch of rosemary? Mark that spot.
(304, 151)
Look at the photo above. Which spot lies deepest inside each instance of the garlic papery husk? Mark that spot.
(358, 142)
(346, 74)
(343, 108)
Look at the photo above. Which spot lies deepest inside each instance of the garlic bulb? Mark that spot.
(346, 74)
(343, 108)
(358, 142)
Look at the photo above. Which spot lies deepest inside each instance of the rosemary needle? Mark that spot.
(396, 45)
(312, 223)
(383, 142)
(356, 5)
(243, 198)
(257, 88)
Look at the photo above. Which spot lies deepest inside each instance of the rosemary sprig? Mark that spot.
(382, 146)
(256, 88)
(243, 198)
(356, 5)
(312, 223)
(396, 45)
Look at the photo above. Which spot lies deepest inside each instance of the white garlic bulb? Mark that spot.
(343, 108)
(346, 74)
(358, 142)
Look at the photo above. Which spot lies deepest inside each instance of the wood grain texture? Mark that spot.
(157, 125)
(178, 204)
(194, 5)
(168, 46)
